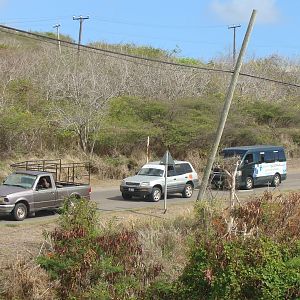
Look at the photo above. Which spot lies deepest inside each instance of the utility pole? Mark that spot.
(57, 36)
(225, 110)
(81, 18)
(234, 27)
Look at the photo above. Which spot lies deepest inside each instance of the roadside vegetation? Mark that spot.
(195, 255)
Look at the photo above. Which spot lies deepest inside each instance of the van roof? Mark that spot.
(255, 147)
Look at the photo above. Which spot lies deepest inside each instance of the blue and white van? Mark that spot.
(260, 165)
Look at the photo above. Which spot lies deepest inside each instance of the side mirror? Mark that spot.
(246, 162)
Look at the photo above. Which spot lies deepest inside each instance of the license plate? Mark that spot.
(130, 189)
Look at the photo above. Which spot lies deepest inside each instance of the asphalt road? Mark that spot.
(110, 199)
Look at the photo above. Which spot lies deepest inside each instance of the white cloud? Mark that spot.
(239, 11)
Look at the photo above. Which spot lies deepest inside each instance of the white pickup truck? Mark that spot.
(25, 192)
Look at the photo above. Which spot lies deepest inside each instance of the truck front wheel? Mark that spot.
(20, 211)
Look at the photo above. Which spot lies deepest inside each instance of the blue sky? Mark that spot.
(198, 29)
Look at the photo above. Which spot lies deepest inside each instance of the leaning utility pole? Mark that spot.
(57, 36)
(234, 51)
(225, 111)
(81, 18)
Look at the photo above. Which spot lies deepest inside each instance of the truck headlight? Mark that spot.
(4, 200)
(144, 183)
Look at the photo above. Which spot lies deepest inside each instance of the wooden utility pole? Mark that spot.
(226, 108)
(81, 18)
(57, 36)
(234, 27)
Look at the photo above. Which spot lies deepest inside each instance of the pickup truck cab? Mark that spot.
(25, 192)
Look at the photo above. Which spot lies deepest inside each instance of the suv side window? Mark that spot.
(171, 171)
(183, 169)
(188, 168)
(180, 169)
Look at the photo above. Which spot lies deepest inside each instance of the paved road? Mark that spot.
(110, 199)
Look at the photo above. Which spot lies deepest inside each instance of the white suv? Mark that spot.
(149, 182)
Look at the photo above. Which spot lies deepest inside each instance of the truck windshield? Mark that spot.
(22, 180)
(151, 172)
(233, 152)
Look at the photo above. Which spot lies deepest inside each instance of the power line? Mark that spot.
(124, 56)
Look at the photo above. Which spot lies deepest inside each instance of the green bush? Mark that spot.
(242, 269)
(90, 264)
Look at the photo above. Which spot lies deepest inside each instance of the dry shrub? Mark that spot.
(24, 279)
(277, 216)
(197, 159)
(166, 242)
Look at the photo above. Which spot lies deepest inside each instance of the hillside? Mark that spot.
(104, 106)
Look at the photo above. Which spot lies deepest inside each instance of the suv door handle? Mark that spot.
(174, 178)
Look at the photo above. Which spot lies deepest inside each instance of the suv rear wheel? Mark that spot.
(155, 195)
(188, 191)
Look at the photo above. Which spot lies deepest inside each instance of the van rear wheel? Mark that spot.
(276, 180)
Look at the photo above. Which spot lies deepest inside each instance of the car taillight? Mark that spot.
(90, 189)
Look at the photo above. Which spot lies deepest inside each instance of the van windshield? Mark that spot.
(233, 152)
(151, 172)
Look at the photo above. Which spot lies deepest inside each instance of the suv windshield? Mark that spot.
(151, 172)
(22, 180)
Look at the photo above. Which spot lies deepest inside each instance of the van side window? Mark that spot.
(281, 155)
(261, 157)
(269, 157)
(249, 158)
(276, 155)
